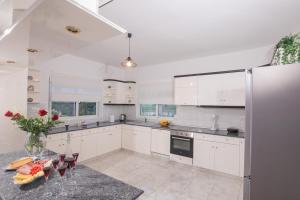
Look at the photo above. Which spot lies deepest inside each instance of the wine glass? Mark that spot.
(62, 157)
(75, 156)
(55, 163)
(62, 170)
(46, 175)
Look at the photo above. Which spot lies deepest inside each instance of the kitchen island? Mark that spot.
(90, 184)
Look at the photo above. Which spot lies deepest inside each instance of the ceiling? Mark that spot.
(42, 27)
(172, 30)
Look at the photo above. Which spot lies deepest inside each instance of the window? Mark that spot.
(166, 110)
(87, 108)
(65, 109)
(148, 109)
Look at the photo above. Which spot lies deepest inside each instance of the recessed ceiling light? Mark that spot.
(31, 50)
(73, 29)
(10, 62)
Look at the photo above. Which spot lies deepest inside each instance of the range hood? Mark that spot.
(42, 29)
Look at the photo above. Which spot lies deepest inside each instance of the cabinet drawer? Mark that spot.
(216, 138)
(206, 137)
(227, 140)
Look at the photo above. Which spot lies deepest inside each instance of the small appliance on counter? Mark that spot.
(122, 118)
(112, 119)
(232, 131)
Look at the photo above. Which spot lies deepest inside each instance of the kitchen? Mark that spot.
(176, 128)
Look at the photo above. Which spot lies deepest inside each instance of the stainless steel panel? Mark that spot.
(275, 139)
(246, 186)
(248, 126)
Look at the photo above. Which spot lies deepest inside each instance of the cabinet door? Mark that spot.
(186, 96)
(54, 145)
(204, 154)
(142, 139)
(222, 89)
(89, 146)
(186, 91)
(160, 142)
(227, 158)
(116, 138)
(128, 140)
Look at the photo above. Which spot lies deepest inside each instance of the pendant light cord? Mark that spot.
(129, 37)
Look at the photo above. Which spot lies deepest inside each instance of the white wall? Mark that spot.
(78, 67)
(155, 84)
(13, 96)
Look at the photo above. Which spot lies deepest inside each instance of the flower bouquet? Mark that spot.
(36, 128)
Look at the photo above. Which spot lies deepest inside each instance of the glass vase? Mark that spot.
(35, 144)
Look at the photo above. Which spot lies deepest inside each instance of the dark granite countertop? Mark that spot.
(90, 184)
(150, 125)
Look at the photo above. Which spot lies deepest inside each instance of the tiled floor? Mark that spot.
(162, 179)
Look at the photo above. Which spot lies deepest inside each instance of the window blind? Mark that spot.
(69, 88)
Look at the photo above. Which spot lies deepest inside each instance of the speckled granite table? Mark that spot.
(90, 185)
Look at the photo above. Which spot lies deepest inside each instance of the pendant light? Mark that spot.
(128, 62)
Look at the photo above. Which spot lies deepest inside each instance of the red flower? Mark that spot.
(9, 114)
(16, 117)
(42, 112)
(55, 117)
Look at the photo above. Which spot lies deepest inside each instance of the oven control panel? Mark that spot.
(183, 134)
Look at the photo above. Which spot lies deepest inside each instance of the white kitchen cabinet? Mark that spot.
(136, 138)
(226, 89)
(218, 153)
(227, 158)
(119, 92)
(110, 139)
(57, 146)
(89, 144)
(186, 91)
(204, 154)
(160, 142)
(57, 142)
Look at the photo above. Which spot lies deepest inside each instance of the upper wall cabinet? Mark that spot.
(119, 92)
(186, 90)
(211, 89)
(226, 89)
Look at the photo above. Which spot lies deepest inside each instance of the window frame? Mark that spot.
(77, 116)
(65, 117)
(156, 112)
(82, 116)
(160, 116)
(149, 116)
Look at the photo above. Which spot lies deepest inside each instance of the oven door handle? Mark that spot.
(181, 138)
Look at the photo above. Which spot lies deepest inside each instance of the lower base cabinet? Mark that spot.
(160, 142)
(218, 153)
(88, 143)
(223, 154)
(136, 138)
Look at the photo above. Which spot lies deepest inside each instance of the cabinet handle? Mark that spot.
(109, 86)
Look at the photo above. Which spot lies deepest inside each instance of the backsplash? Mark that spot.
(185, 116)
(202, 117)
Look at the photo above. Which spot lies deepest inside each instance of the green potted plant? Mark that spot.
(36, 128)
(287, 51)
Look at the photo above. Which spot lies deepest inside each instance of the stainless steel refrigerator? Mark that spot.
(272, 159)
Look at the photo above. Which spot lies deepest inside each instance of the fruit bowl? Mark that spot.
(164, 123)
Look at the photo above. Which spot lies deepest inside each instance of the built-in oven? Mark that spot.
(182, 143)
